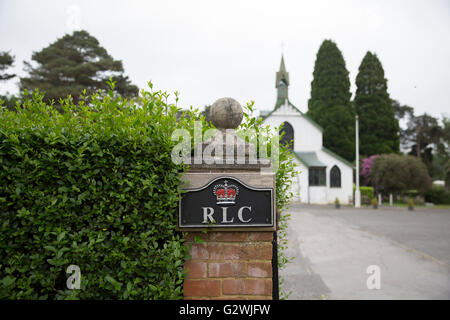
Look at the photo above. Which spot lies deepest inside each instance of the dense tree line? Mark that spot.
(331, 106)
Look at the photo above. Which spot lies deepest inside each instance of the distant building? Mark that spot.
(440, 183)
(324, 175)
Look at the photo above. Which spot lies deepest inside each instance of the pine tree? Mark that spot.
(73, 63)
(330, 104)
(6, 61)
(378, 129)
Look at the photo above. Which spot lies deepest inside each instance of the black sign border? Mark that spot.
(259, 225)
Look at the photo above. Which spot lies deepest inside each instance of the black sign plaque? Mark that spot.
(226, 202)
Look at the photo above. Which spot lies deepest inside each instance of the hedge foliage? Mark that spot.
(283, 162)
(394, 173)
(367, 194)
(93, 186)
(438, 195)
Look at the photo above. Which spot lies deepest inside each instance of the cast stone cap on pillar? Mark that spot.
(226, 150)
(226, 113)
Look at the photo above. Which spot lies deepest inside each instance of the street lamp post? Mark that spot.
(357, 192)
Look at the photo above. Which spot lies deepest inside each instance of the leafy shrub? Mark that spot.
(393, 173)
(366, 194)
(367, 191)
(438, 195)
(93, 186)
(286, 171)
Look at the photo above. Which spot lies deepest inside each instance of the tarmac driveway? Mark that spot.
(333, 248)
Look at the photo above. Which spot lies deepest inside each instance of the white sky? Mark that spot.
(211, 49)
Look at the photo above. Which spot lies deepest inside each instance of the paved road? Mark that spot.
(333, 248)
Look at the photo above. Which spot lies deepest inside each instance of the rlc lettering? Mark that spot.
(224, 216)
(240, 214)
(208, 217)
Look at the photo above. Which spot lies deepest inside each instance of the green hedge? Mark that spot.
(438, 195)
(95, 187)
(367, 194)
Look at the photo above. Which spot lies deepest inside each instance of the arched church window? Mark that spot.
(335, 177)
(288, 137)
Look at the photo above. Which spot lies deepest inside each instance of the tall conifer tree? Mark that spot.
(379, 129)
(330, 104)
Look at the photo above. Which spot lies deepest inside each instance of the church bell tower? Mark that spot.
(282, 83)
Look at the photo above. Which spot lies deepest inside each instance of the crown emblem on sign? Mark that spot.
(225, 194)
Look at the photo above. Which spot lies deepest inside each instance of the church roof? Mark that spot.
(282, 84)
(309, 159)
(266, 114)
(331, 153)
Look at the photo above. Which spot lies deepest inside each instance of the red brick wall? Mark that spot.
(229, 265)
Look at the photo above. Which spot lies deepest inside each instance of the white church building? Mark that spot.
(324, 175)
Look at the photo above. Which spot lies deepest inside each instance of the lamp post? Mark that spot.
(357, 192)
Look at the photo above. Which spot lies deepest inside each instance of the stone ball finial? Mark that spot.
(226, 113)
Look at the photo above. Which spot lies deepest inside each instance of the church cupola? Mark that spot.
(282, 83)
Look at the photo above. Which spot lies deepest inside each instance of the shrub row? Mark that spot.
(93, 186)
(367, 194)
(438, 195)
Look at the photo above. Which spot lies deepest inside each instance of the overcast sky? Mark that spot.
(212, 49)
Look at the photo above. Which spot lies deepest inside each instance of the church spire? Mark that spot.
(282, 82)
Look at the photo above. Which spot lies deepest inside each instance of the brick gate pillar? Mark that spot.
(232, 261)
(230, 265)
